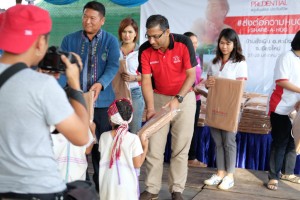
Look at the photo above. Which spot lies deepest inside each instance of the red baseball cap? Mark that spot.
(21, 25)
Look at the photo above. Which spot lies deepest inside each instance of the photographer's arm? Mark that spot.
(75, 127)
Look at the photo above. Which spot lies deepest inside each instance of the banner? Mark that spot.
(265, 27)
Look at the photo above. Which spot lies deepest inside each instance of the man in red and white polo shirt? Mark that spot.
(167, 62)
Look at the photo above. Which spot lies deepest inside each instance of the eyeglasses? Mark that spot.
(155, 37)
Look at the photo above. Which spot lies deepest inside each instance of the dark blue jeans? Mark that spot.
(102, 125)
(283, 154)
(193, 147)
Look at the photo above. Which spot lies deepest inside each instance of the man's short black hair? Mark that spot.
(190, 34)
(155, 20)
(95, 5)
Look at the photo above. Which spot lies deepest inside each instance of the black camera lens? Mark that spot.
(52, 60)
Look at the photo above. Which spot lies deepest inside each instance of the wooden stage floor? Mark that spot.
(249, 185)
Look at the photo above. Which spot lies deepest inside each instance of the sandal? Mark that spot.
(272, 184)
(292, 178)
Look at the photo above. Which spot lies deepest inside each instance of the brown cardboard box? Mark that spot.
(89, 100)
(224, 104)
(121, 87)
(159, 120)
(254, 117)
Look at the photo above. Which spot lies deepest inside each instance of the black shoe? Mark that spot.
(176, 196)
(148, 196)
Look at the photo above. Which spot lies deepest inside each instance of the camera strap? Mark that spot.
(10, 71)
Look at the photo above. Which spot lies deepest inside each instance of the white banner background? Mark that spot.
(265, 28)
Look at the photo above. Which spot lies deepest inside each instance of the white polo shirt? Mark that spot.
(282, 101)
(230, 70)
(132, 64)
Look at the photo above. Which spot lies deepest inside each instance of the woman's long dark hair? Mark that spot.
(236, 54)
(296, 42)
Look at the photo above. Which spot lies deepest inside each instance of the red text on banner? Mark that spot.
(275, 24)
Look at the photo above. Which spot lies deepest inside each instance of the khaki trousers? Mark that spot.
(182, 127)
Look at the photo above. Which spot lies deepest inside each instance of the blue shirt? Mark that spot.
(102, 53)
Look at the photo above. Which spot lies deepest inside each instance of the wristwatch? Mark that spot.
(179, 98)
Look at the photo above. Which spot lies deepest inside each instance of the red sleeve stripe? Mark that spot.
(275, 98)
(279, 80)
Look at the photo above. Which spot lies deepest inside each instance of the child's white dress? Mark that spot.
(72, 162)
(120, 182)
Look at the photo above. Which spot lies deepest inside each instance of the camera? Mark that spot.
(52, 60)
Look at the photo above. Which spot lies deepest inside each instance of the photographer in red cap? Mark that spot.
(29, 103)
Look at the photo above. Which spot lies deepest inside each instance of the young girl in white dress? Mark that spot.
(122, 153)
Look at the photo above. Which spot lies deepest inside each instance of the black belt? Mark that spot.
(50, 196)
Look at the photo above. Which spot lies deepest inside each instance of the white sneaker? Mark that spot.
(213, 180)
(226, 184)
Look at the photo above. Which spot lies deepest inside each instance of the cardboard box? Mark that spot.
(121, 87)
(89, 100)
(224, 104)
(159, 120)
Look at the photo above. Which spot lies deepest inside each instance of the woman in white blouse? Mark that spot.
(230, 63)
(128, 35)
